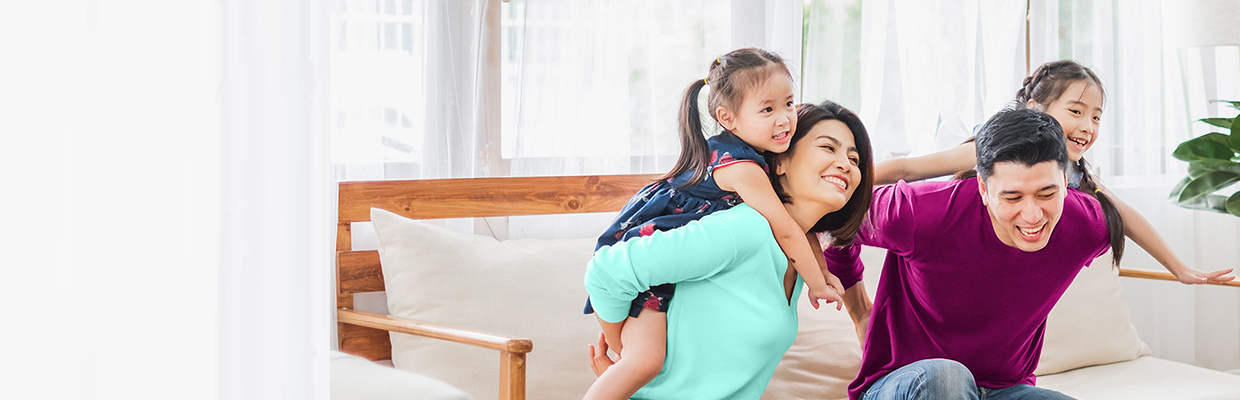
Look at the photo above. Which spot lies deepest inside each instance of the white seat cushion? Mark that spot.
(1144, 378)
(356, 378)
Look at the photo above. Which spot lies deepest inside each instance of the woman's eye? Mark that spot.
(828, 148)
(854, 160)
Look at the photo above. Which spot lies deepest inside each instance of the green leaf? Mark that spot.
(1197, 169)
(1179, 187)
(1211, 146)
(1206, 184)
(1219, 122)
(1233, 140)
(1233, 204)
(1234, 104)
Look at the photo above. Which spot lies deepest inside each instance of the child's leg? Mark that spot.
(645, 346)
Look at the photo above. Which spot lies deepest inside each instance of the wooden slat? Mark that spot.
(358, 272)
(511, 376)
(411, 327)
(1164, 276)
(370, 343)
(489, 197)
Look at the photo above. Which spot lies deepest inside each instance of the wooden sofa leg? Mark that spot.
(511, 376)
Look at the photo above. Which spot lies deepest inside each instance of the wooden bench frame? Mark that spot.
(366, 334)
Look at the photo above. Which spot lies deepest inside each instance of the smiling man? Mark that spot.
(973, 268)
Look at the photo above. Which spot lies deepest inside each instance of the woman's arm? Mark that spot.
(1139, 229)
(698, 250)
(752, 184)
(932, 165)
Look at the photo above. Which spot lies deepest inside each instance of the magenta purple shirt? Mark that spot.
(951, 289)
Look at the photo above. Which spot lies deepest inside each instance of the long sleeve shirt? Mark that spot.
(730, 321)
(951, 289)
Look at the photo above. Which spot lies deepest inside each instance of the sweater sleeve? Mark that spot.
(695, 251)
(889, 225)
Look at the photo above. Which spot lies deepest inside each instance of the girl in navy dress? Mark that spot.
(751, 96)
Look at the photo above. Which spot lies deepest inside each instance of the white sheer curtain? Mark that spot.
(529, 87)
(278, 201)
(161, 245)
(920, 74)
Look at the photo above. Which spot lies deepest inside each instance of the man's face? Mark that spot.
(1024, 202)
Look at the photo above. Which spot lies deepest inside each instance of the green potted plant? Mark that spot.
(1213, 165)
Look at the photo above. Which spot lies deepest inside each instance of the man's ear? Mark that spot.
(981, 190)
(725, 118)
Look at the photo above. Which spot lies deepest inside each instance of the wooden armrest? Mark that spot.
(1165, 276)
(512, 351)
(417, 328)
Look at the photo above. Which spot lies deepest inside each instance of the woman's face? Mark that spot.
(822, 167)
(1078, 110)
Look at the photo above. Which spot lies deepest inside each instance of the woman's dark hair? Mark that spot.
(1029, 137)
(1044, 86)
(729, 78)
(844, 223)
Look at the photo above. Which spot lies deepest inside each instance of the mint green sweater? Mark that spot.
(729, 322)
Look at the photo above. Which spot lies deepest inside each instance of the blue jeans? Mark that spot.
(939, 378)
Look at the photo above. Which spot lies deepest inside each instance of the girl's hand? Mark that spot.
(1193, 276)
(830, 294)
(599, 360)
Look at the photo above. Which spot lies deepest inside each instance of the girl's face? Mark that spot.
(1078, 110)
(822, 167)
(766, 117)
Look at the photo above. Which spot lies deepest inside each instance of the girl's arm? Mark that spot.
(751, 183)
(1137, 228)
(912, 169)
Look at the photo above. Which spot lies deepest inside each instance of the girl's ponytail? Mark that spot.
(1115, 224)
(694, 152)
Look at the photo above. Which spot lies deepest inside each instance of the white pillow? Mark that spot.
(356, 378)
(525, 288)
(1090, 325)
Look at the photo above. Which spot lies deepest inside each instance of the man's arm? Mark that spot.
(858, 303)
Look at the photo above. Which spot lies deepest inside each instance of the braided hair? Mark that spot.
(1043, 87)
(730, 77)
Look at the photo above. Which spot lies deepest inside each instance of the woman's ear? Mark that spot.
(779, 165)
(725, 118)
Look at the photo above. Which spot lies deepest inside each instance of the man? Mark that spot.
(973, 268)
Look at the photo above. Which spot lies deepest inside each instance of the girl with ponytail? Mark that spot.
(750, 95)
(1073, 94)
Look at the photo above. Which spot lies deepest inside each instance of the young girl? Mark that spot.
(751, 97)
(1072, 94)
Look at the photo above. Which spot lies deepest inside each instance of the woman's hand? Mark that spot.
(599, 360)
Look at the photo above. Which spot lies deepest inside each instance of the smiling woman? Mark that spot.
(735, 302)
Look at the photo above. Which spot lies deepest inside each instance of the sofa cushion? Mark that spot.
(526, 288)
(356, 378)
(1090, 324)
(1144, 378)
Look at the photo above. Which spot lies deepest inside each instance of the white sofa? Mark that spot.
(532, 288)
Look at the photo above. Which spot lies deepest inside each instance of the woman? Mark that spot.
(734, 317)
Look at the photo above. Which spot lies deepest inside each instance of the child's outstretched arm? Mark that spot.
(752, 184)
(911, 169)
(1137, 228)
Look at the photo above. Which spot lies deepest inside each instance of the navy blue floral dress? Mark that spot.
(666, 205)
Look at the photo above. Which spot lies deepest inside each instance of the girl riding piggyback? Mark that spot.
(751, 96)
